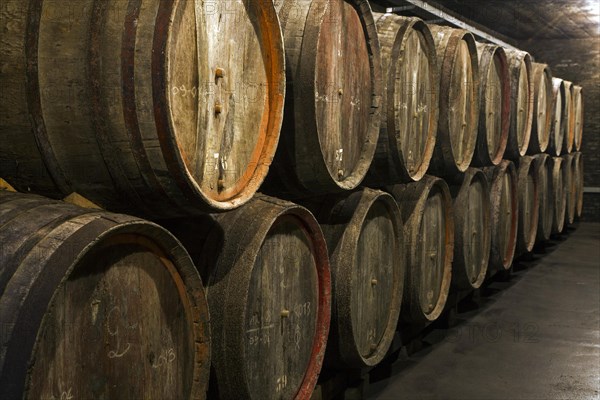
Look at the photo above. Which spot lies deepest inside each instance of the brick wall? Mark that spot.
(578, 60)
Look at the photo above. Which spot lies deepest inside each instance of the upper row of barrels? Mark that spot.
(174, 109)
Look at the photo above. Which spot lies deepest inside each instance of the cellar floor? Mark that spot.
(537, 338)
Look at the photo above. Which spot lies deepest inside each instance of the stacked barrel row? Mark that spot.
(394, 136)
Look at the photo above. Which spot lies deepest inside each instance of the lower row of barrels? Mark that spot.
(101, 305)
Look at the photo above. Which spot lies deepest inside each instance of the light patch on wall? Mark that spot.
(592, 7)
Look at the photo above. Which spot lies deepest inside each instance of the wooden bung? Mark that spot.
(147, 107)
(97, 305)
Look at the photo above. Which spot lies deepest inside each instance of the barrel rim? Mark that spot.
(514, 148)
(459, 276)
(526, 240)
(569, 137)
(557, 138)
(540, 144)
(542, 162)
(345, 257)
(578, 135)
(558, 170)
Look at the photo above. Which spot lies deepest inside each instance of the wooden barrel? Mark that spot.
(146, 107)
(578, 116)
(97, 305)
(266, 271)
(557, 127)
(569, 118)
(429, 231)
(472, 233)
(333, 102)
(459, 100)
(542, 108)
(521, 113)
(579, 183)
(504, 210)
(364, 234)
(528, 205)
(410, 101)
(559, 193)
(494, 105)
(571, 187)
(544, 167)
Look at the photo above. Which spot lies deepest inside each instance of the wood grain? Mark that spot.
(504, 210)
(579, 175)
(97, 305)
(542, 108)
(528, 205)
(472, 233)
(429, 232)
(557, 131)
(568, 119)
(409, 115)
(522, 94)
(267, 275)
(494, 105)
(459, 100)
(578, 117)
(157, 108)
(571, 187)
(364, 234)
(544, 167)
(332, 111)
(559, 193)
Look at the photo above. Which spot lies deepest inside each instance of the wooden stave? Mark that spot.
(388, 165)
(559, 177)
(578, 110)
(341, 217)
(138, 165)
(499, 262)
(299, 170)
(487, 53)
(443, 161)
(571, 184)
(221, 244)
(578, 160)
(540, 136)
(460, 196)
(77, 232)
(555, 146)
(514, 149)
(411, 199)
(569, 119)
(526, 240)
(544, 167)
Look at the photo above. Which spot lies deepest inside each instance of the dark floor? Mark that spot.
(538, 338)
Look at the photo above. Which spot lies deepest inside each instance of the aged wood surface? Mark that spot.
(559, 193)
(494, 105)
(459, 100)
(578, 116)
(97, 305)
(521, 113)
(571, 187)
(266, 270)
(542, 108)
(504, 210)
(557, 131)
(158, 108)
(568, 119)
(472, 233)
(528, 205)
(544, 167)
(333, 102)
(410, 106)
(364, 234)
(429, 231)
(578, 161)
